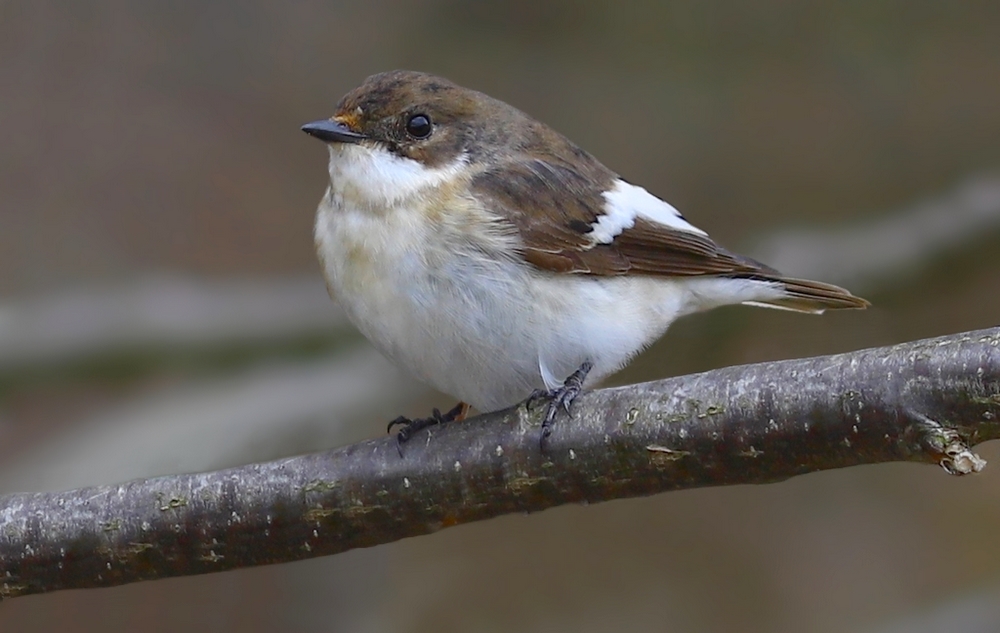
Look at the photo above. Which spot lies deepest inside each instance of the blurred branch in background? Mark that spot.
(975, 613)
(865, 256)
(160, 315)
(274, 410)
(924, 401)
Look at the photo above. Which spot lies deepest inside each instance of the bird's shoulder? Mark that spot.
(574, 215)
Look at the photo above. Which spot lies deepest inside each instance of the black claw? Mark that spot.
(397, 422)
(560, 397)
(536, 395)
(410, 427)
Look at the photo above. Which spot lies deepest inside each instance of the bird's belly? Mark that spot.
(443, 314)
(485, 330)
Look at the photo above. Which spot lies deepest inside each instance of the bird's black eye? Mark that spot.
(418, 126)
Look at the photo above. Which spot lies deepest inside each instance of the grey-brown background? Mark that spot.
(143, 142)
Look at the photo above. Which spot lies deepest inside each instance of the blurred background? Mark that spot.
(161, 309)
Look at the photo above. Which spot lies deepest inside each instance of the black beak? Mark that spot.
(332, 132)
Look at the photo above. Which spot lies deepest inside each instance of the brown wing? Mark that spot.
(554, 208)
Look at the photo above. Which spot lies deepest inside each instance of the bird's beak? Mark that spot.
(332, 132)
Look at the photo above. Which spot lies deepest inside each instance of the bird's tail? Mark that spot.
(813, 297)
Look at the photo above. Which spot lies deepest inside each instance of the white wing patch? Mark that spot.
(626, 202)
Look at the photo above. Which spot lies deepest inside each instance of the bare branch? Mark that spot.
(925, 401)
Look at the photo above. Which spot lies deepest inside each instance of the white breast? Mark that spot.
(429, 289)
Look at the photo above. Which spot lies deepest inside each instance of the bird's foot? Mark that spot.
(409, 427)
(560, 398)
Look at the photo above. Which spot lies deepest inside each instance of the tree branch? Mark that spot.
(925, 401)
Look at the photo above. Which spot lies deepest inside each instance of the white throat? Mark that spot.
(375, 178)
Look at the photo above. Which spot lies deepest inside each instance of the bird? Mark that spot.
(497, 261)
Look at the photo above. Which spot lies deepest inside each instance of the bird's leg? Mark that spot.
(409, 427)
(560, 397)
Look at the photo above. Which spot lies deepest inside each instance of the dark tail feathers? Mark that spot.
(812, 297)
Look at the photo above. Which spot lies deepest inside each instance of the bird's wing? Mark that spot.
(598, 224)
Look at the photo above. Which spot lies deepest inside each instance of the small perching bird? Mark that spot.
(491, 257)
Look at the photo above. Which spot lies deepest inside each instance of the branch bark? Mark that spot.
(924, 401)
